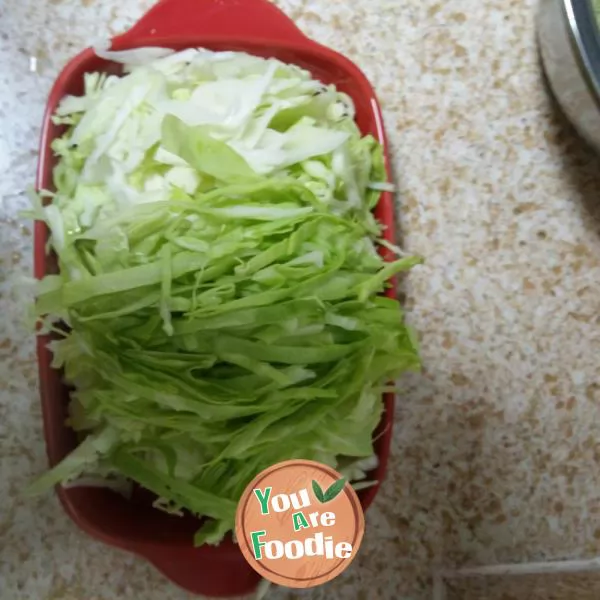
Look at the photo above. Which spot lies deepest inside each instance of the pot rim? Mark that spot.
(584, 35)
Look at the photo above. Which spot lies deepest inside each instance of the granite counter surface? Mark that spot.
(496, 452)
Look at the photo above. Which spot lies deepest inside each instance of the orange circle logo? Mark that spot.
(299, 524)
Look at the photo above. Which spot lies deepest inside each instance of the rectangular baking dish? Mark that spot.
(256, 27)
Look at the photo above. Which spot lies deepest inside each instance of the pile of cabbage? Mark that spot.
(219, 278)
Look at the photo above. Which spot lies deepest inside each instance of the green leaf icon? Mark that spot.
(332, 491)
(318, 491)
(335, 489)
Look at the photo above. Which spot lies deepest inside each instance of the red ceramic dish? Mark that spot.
(256, 27)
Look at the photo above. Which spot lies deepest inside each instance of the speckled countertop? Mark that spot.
(496, 454)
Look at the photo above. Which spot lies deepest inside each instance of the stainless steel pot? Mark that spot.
(570, 47)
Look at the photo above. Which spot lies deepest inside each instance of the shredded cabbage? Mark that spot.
(219, 278)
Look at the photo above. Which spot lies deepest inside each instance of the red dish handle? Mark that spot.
(199, 572)
(251, 19)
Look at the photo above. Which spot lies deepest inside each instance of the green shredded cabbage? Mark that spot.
(219, 277)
